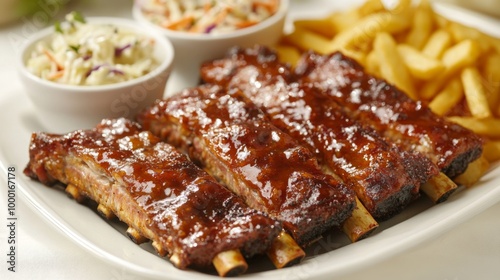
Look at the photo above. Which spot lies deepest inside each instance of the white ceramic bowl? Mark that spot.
(61, 108)
(192, 49)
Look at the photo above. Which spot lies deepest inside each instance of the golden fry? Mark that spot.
(448, 98)
(344, 20)
(365, 30)
(491, 74)
(308, 40)
(401, 7)
(391, 67)
(421, 27)
(322, 26)
(288, 54)
(489, 127)
(474, 93)
(371, 7)
(420, 66)
(491, 150)
(437, 44)
(461, 33)
(461, 55)
(454, 59)
(372, 64)
(473, 173)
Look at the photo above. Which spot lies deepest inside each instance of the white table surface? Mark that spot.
(469, 251)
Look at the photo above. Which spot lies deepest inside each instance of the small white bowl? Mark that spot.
(61, 108)
(192, 49)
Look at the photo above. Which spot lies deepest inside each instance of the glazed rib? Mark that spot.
(154, 189)
(384, 178)
(233, 140)
(409, 123)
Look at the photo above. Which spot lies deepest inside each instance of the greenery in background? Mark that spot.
(26, 7)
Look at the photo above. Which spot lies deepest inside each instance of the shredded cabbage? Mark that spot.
(208, 16)
(81, 53)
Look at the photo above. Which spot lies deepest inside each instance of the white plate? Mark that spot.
(332, 256)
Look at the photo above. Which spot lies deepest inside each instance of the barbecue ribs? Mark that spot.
(234, 141)
(154, 189)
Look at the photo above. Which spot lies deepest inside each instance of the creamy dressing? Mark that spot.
(208, 16)
(81, 53)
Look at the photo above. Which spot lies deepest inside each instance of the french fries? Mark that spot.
(420, 65)
(437, 44)
(492, 150)
(421, 28)
(489, 127)
(393, 70)
(474, 171)
(475, 94)
(448, 98)
(452, 67)
(454, 59)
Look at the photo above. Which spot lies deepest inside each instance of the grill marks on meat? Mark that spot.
(409, 123)
(236, 143)
(385, 178)
(153, 188)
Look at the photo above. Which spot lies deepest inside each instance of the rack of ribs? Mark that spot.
(390, 111)
(153, 188)
(384, 177)
(234, 141)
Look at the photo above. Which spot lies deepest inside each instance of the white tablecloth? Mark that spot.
(468, 251)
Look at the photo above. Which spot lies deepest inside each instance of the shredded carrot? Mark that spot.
(271, 6)
(207, 6)
(56, 75)
(53, 59)
(217, 20)
(247, 23)
(222, 15)
(180, 24)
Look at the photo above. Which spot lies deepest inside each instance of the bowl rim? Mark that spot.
(161, 42)
(279, 15)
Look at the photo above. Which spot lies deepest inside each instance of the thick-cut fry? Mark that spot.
(419, 65)
(391, 67)
(454, 59)
(474, 172)
(288, 54)
(462, 54)
(372, 65)
(491, 74)
(363, 32)
(421, 27)
(491, 150)
(359, 56)
(401, 7)
(322, 26)
(308, 40)
(344, 20)
(461, 33)
(489, 127)
(474, 93)
(448, 98)
(370, 7)
(437, 44)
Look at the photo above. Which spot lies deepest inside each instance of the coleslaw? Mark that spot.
(208, 16)
(81, 53)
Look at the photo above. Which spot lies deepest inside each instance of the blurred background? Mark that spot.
(12, 11)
